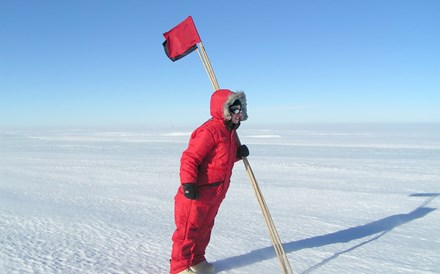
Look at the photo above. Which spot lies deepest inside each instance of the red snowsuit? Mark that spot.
(207, 162)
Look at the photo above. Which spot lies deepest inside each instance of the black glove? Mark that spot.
(242, 151)
(190, 191)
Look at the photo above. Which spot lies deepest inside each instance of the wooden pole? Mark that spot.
(207, 64)
(275, 238)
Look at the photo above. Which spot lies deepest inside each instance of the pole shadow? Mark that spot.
(380, 227)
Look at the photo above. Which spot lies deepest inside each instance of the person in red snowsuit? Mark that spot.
(205, 173)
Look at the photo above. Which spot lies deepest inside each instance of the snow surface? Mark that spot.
(344, 198)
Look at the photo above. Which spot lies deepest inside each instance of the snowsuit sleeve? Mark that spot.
(200, 144)
(236, 152)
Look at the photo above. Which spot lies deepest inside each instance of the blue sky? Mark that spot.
(101, 63)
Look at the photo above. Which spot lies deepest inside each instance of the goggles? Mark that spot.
(235, 110)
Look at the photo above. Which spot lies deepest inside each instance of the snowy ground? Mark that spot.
(345, 199)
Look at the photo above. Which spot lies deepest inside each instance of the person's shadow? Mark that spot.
(380, 227)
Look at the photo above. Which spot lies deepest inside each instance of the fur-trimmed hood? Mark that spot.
(222, 99)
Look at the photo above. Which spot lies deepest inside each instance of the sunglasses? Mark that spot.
(235, 110)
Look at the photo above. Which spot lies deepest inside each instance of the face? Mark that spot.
(235, 116)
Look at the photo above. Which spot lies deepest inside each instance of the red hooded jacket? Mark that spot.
(212, 148)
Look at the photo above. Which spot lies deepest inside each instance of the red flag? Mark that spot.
(181, 40)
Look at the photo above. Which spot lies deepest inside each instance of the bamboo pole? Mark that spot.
(211, 71)
(205, 65)
(275, 238)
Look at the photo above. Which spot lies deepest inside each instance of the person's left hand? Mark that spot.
(190, 191)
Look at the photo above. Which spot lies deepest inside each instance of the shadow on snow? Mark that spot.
(381, 226)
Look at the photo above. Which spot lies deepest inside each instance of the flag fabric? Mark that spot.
(181, 40)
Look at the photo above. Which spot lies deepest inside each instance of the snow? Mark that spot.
(344, 199)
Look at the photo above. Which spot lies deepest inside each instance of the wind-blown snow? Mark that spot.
(345, 199)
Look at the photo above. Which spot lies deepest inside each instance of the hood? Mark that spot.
(222, 99)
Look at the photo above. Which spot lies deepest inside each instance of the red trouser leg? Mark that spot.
(205, 234)
(181, 250)
(194, 221)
